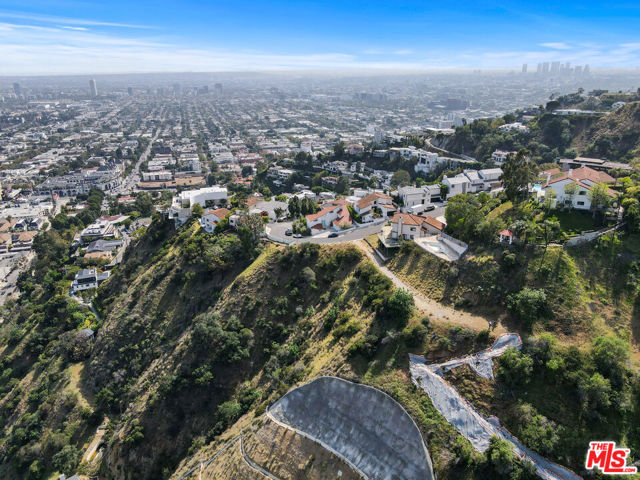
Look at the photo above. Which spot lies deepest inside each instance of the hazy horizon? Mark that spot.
(70, 37)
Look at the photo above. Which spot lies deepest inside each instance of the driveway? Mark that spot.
(276, 232)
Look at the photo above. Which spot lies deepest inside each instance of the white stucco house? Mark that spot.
(376, 200)
(211, 218)
(584, 178)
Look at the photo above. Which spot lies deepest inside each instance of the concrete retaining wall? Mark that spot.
(361, 424)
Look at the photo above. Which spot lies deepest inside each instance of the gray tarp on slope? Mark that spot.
(481, 362)
(461, 414)
(361, 424)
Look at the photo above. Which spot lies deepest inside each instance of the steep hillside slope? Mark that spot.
(589, 290)
(615, 136)
(199, 334)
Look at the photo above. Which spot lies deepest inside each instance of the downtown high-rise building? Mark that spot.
(93, 88)
(16, 89)
(524, 68)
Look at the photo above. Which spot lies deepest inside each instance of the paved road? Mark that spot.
(130, 183)
(276, 232)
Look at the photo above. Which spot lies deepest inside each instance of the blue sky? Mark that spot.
(69, 36)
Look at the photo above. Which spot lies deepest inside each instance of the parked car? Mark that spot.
(430, 208)
(297, 235)
(288, 232)
(333, 234)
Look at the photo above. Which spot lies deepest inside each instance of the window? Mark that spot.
(582, 192)
(580, 203)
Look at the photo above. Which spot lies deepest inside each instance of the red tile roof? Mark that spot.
(364, 202)
(581, 174)
(408, 219)
(435, 223)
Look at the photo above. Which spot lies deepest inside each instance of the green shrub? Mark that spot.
(400, 307)
(528, 304)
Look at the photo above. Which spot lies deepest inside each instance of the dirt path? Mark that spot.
(436, 311)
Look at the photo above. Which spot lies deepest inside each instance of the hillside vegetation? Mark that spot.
(614, 136)
(199, 333)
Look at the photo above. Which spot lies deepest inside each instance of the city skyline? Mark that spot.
(89, 38)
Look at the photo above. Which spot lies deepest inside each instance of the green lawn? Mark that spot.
(573, 222)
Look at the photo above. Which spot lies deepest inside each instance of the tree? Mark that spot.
(528, 304)
(517, 173)
(570, 191)
(599, 197)
(294, 207)
(514, 367)
(342, 185)
(550, 197)
(400, 306)
(610, 353)
(501, 456)
(400, 178)
(595, 392)
(463, 216)
(67, 459)
(338, 149)
(550, 229)
(197, 210)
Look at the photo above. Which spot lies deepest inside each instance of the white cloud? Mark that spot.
(78, 29)
(62, 20)
(58, 49)
(556, 45)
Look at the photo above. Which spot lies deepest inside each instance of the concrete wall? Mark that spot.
(361, 424)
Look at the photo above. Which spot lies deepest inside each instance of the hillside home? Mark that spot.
(365, 207)
(88, 278)
(211, 218)
(584, 178)
(411, 196)
(500, 156)
(332, 216)
(180, 210)
(410, 227)
(457, 185)
(98, 229)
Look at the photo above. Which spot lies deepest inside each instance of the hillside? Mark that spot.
(615, 136)
(589, 290)
(200, 334)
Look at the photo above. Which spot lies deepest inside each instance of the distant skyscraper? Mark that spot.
(555, 67)
(539, 69)
(218, 88)
(586, 70)
(93, 88)
(16, 88)
(130, 91)
(524, 68)
(577, 70)
(545, 67)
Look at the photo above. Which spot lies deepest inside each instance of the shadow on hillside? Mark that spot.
(635, 323)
